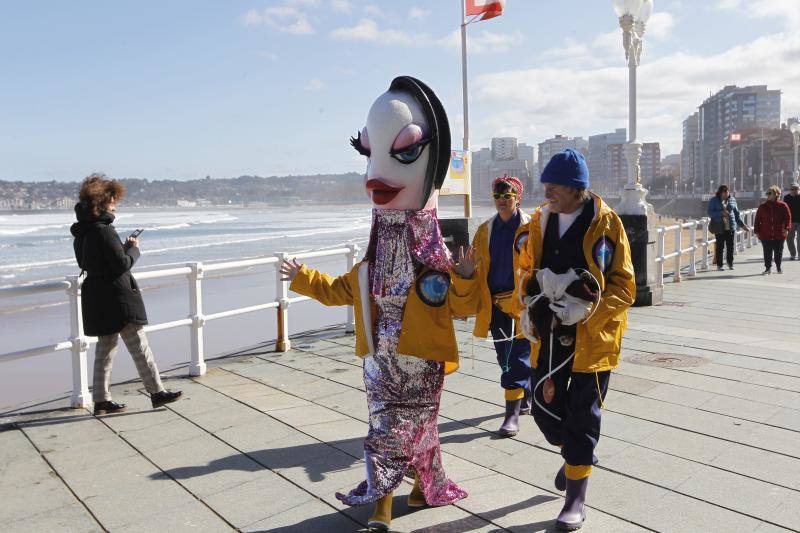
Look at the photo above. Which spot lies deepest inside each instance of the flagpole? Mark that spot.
(465, 146)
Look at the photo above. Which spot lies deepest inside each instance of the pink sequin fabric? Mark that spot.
(403, 392)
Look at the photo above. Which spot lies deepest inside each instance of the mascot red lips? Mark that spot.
(381, 192)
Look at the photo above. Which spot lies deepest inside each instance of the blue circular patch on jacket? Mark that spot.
(603, 253)
(432, 287)
(520, 241)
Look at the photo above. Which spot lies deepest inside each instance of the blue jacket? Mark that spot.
(715, 211)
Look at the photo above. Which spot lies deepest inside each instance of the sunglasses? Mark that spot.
(504, 195)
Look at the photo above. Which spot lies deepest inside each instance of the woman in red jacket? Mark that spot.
(773, 220)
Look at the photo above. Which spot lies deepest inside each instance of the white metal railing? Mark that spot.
(742, 240)
(78, 343)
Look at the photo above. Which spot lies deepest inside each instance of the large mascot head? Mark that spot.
(407, 145)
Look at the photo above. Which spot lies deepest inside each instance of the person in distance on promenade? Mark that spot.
(405, 293)
(497, 244)
(724, 215)
(793, 201)
(111, 303)
(574, 285)
(773, 221)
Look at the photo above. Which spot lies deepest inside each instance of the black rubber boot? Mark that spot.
(573, 513)
(525, 408)
(510, 425)
(561, 479)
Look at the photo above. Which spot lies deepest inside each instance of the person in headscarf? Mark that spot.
(405, 293)
(497, 244)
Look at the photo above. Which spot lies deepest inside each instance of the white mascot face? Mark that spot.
(395, 142)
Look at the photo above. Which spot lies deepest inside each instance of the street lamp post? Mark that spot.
(795, 129)
(637, 215)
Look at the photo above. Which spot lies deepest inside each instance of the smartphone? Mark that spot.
(136, 233)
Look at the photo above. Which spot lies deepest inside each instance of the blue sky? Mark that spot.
(188, 88)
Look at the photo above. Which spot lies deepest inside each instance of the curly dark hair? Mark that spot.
(97, 191)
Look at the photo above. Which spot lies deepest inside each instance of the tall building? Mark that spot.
(617, 168)
(527, 153)
(504, 148)
(504, 157)
(551, 147)
(650, 163)
(690, 150)
(600, 167)
(723, 113)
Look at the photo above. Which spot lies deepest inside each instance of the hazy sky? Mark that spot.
(185, 88)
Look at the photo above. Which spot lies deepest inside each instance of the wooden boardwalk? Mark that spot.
(701, 432)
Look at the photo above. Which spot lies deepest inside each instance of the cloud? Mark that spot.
(315, 84)
(342, 6)
(372, 9)
(787, 11)
(285, 18)
(660, 26)
(580, 99)
(417, 13)
(367, 30)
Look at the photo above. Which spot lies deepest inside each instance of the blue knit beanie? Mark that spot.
(567, 168)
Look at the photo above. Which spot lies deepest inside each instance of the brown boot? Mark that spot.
(417, 497)
(381, 518)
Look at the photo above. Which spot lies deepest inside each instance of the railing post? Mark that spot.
(704, 234)
(678, 247)
(80, 389)
(282, 344)
(660, 268)
(693, 252)
(349, 325)
(197, 367)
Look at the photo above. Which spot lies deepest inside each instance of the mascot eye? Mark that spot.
(411, 153)
(355, 142)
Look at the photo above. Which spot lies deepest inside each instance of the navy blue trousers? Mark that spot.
(514, 357)
(577, 403)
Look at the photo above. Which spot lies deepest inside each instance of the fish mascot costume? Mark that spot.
(405, 293)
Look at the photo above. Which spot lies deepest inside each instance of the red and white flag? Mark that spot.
(484, 9)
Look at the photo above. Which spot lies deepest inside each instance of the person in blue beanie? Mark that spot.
(574, 285)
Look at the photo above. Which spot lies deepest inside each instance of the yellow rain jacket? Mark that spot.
(598, 341)
(481, 244)
(427, 331)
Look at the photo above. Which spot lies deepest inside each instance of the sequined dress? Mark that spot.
(403, 392)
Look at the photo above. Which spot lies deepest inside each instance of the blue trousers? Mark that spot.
(577, 403)
(514, 357)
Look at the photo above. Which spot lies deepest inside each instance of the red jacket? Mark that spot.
(772, 221)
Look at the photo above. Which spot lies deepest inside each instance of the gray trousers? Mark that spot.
(794, 239)
(136, 341)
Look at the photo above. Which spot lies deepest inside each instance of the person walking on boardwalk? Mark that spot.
(497, 244)
(405, 294)
(793, 201)
(574, 285)
(773, 220)
(112, 304)
(724, 215)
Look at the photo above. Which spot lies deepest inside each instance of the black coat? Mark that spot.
(110, 296)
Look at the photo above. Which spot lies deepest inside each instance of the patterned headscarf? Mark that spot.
(512, 181)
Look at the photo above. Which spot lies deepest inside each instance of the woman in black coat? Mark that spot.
(111, 303)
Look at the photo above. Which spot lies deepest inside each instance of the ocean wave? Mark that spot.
(169, 226)
(31, 229)
(17, 267)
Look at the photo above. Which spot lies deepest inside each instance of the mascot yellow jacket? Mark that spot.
(481, 244)
(427, 328)
(607, 252)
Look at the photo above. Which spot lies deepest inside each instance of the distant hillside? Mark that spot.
(241, 191)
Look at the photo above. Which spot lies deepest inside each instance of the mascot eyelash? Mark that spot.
(355, 142)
